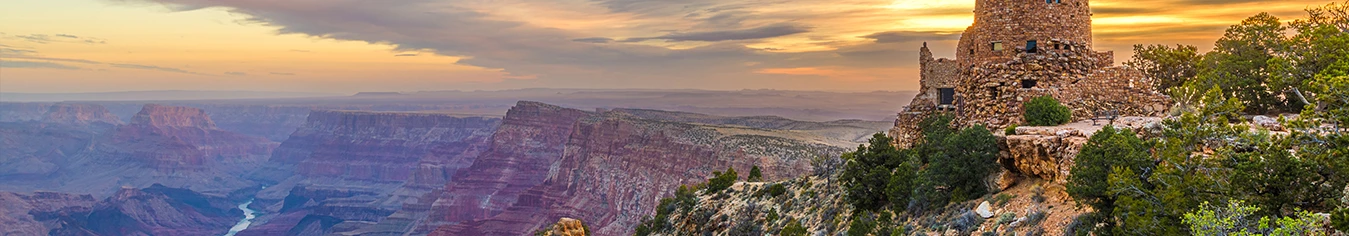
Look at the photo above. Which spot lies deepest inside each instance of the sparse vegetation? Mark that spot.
(721, 181)
(793, 228)
(755, 175)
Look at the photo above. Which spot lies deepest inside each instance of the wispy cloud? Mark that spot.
(236, 73)
(91, 62)
(35, 64)
(770, 31)
(59, 38)
(14, 51)
(283, 73)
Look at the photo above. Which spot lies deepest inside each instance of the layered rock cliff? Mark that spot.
(358, 166)
(23, 111)
(17, 211)
(169, 139)
(80, 114)
(606, 169)
(33, 151)
(156, 210)
(78, 151)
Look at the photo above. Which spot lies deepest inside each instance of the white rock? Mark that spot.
(984, 210)
(1267, 122)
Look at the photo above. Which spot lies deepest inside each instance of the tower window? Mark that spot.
(1028, 83)
(997, 46)
(1031, 46)
(946, 95)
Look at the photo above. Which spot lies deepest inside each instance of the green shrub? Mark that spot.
(1339, 219)
(1238, 219)
(1105, 150)
(755, 175)
(776, 190)
(1002, 198)
(868, 171)
(793, 228)
(1047, 111)
(721, 181)
(1011, 130)
(862, 225)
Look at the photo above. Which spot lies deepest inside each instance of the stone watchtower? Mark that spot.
(1018, 50)
(1004, 27)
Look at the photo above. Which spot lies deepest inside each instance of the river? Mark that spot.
(249, 214)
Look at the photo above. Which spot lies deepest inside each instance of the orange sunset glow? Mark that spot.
(346, 46)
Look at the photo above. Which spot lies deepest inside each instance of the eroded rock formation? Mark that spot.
(357, 166)
(600, 168)
(157, 210)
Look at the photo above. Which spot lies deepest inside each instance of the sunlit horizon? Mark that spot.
(64, 46)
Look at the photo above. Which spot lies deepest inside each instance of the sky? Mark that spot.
(347, 46)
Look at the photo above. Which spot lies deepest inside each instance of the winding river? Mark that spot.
(249, 214)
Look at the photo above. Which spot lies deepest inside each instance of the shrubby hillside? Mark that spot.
(1256, 145)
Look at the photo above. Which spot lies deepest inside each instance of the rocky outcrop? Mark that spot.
(170, 139)
(1048, 152)
(600, 168)
(1040, 152)
(23, 111)
(80, 114)
(157, 210)
(155, 115)
(22, 214)
(565, 227)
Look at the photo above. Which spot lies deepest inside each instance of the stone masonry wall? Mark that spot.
(993, 94)
(991, 86)
(1014, 22)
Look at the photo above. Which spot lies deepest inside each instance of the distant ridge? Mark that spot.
(361, 94)
(158, 95)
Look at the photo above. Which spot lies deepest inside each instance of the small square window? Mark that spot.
(1031, 47)
(947, 96)
(997, 46)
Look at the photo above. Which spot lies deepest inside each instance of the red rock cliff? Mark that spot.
(606, 169)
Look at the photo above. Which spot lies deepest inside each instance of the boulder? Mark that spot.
(984, 210)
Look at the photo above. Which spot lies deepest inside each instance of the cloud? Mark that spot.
(236, 73)
(149, 67)
(912, 36)
(35, 64)
(593, 40)
(13, 51)
(59, 38)
(770, 31)
(406, 55)
(684, 43)
(90, 62)
(282, 73)
(35, 38)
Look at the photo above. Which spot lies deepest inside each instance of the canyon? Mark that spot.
(376, 168)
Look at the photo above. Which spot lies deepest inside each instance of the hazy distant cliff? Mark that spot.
(362, 166)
